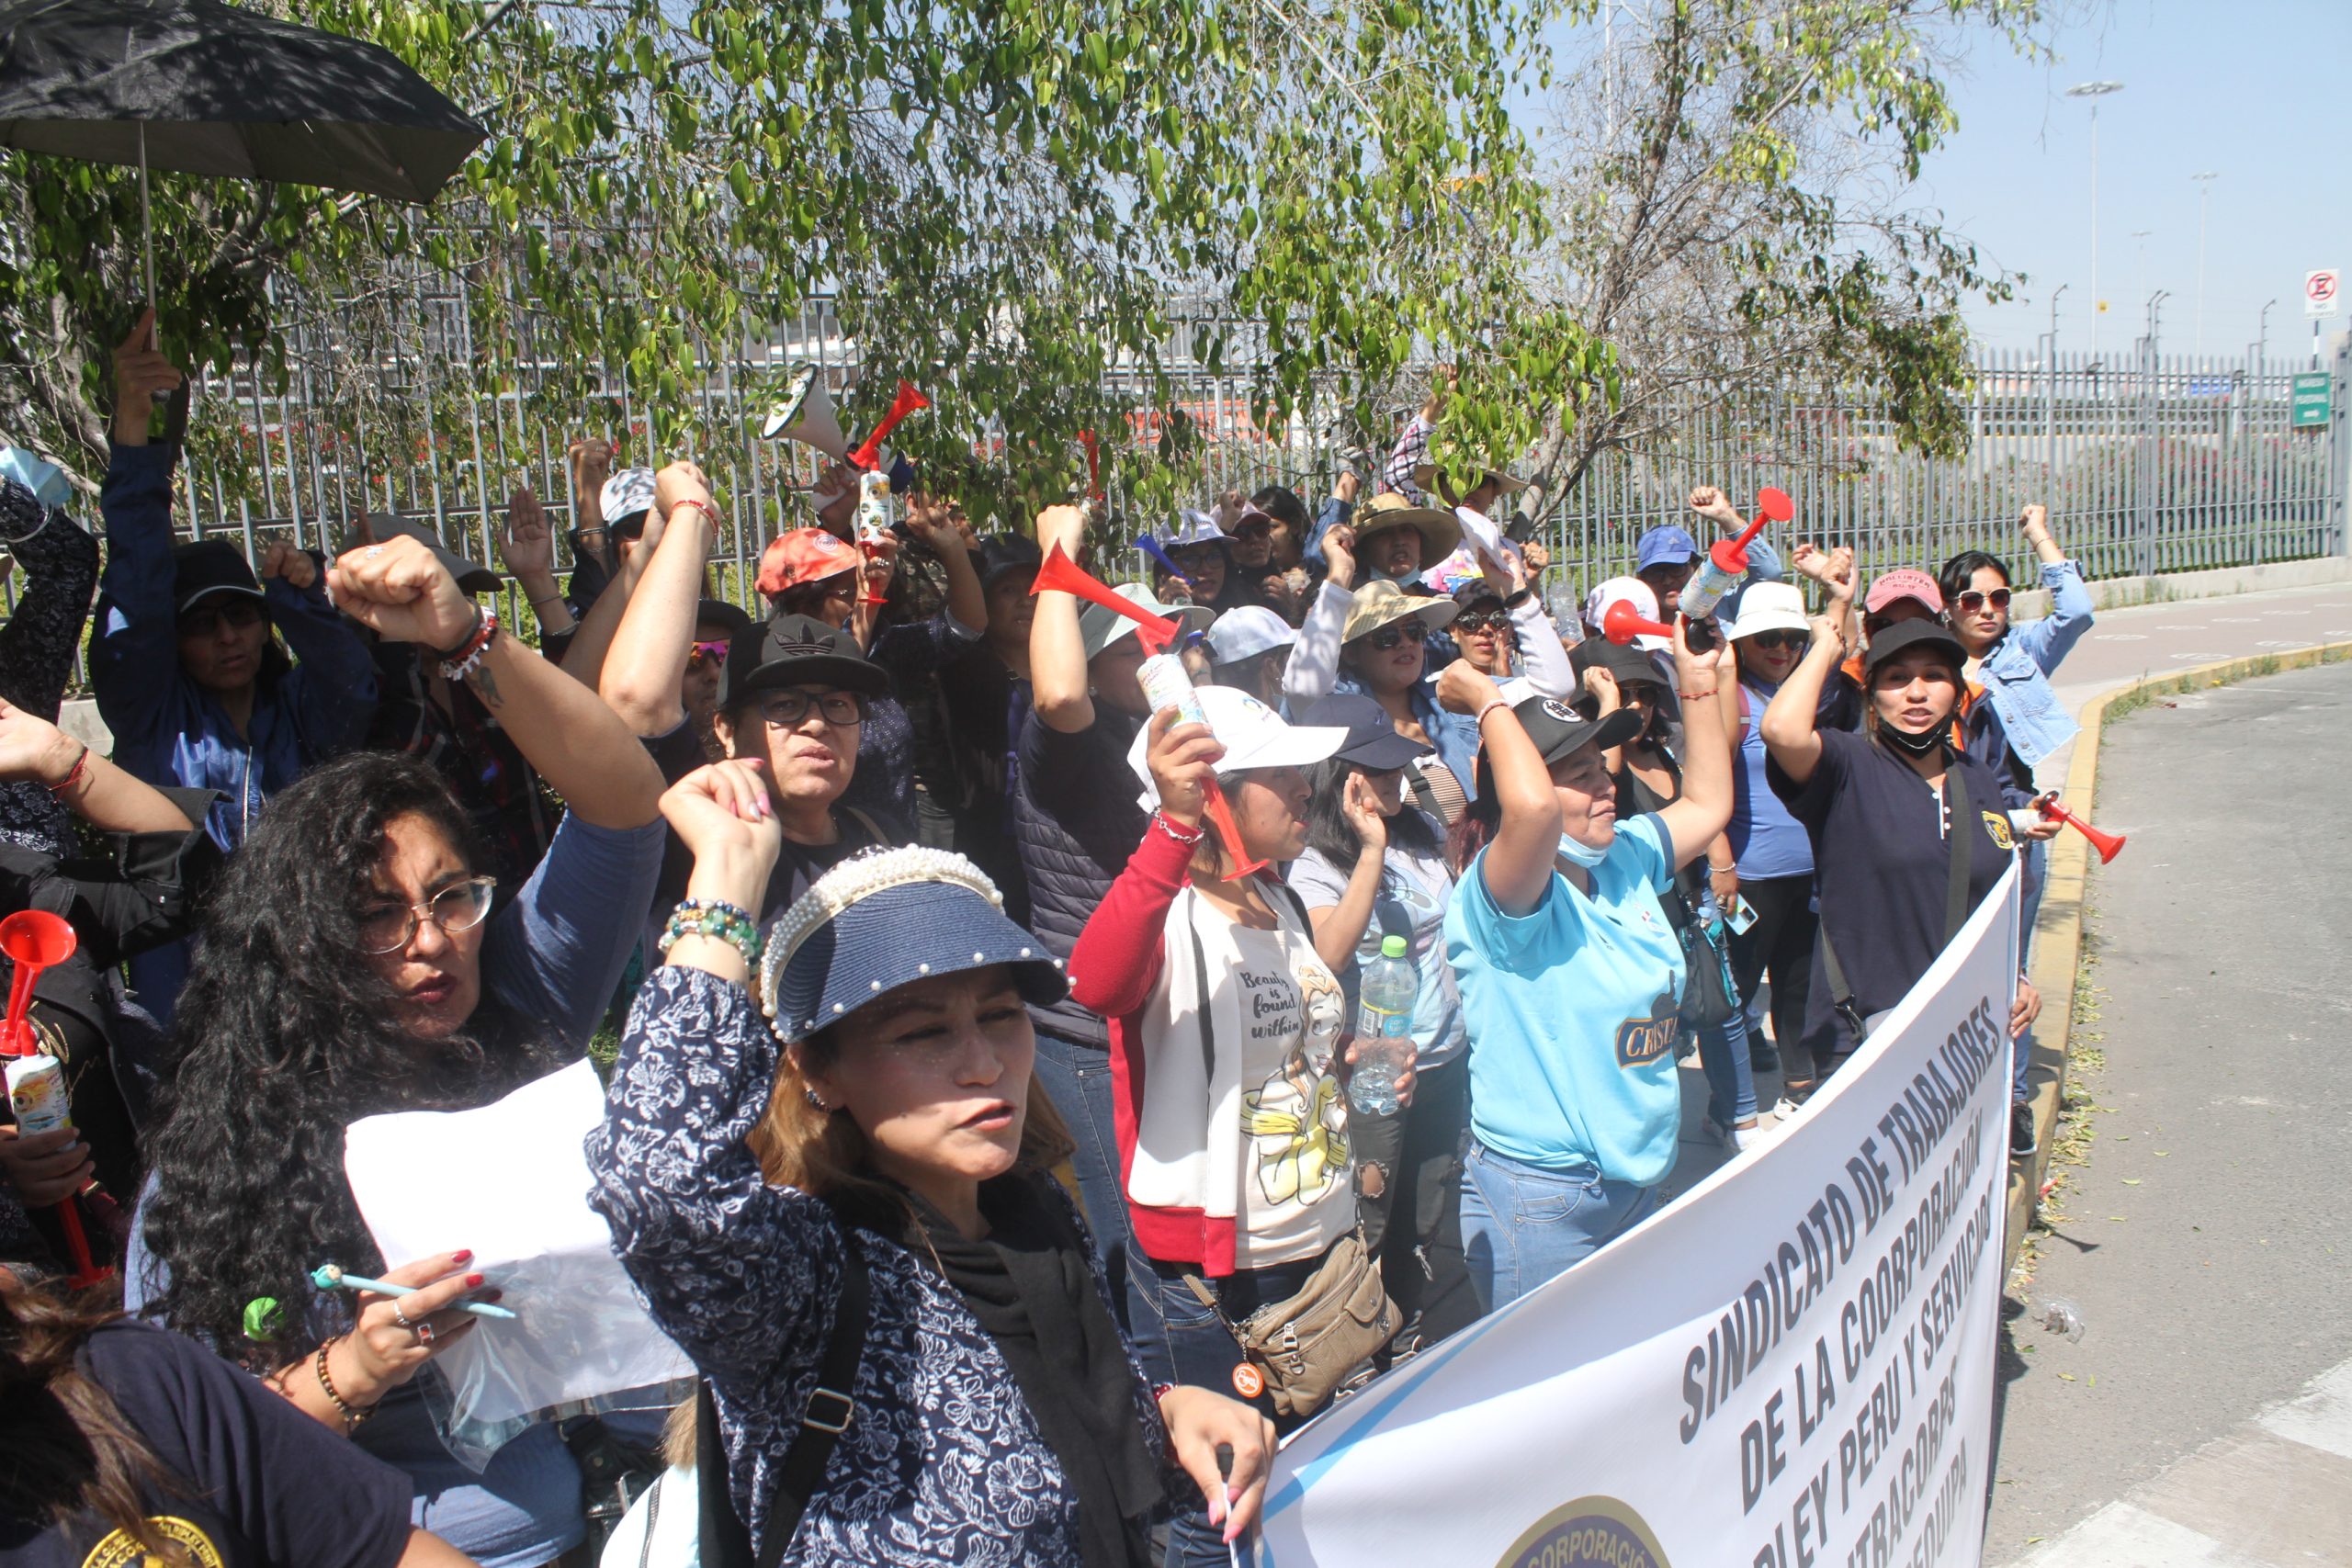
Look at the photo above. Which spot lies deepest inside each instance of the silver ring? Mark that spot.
(400, 1317)
(425, 1334)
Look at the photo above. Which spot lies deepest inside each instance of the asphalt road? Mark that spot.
(2208, 1243)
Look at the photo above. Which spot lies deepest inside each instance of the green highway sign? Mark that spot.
(2311, 402)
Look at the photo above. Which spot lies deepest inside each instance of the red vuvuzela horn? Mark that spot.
(1060, 573)
(869, 451)
(2109, 845)
(1093, 446)
(1621, 624)
(1772, 506)
(34, 939)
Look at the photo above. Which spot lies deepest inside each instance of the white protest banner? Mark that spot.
(1788, 1366)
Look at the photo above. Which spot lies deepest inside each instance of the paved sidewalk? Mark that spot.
(2276, 1493)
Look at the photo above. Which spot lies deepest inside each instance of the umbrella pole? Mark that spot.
(146, 227)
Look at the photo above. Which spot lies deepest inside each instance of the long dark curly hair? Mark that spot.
(284, 1036)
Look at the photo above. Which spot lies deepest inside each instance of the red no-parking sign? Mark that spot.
(2319, 291)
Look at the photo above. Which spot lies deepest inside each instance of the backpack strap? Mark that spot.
(726, 1542)
(872, 828)
(1956, 810)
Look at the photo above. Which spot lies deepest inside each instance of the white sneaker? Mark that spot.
(1786, 1109)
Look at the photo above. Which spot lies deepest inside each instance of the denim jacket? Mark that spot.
(2015, 672)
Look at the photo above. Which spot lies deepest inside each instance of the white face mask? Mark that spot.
(1577, 852)
(44, 479)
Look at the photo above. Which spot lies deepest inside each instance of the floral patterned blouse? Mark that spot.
(943, 1461)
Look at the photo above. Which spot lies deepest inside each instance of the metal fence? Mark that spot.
(2148, 462)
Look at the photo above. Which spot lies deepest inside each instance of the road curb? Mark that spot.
(2058, 942)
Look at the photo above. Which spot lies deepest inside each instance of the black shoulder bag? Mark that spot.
(726, 1541)
(1957, 825)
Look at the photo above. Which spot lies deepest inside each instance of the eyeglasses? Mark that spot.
(1385, 639)
(704, 653)
(388, 928)
(241, 614)
(785, 709)
(1776, 641)
(1492, 621)
(1970, 601)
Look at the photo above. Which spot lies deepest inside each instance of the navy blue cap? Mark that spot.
(888, 919)
(207, 569)
(1666, 545)
(1372, 741)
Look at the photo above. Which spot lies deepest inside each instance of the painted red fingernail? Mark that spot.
(465, 1256)
(474, 1281)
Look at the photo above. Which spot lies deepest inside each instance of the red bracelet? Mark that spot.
(1695, 696)
(74, 775)
(706, 508)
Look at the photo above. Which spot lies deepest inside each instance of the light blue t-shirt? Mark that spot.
(1571, 1013)
(1414, 893)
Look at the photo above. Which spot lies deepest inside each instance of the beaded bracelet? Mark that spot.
(462, 661)
(1183, 836)
(727, 922)
(352, 1415)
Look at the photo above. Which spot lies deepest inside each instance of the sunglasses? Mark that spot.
(704, 653)
(1777, 641)
(1971, 600)
(1491, 621)
(1388, 637)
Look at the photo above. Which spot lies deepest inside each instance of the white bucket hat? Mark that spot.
(1770, 606)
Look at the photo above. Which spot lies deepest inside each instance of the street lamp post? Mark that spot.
(2204, 179)
(2094, 91)
(2140, 253)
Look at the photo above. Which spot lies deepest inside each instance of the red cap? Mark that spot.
(803, 555)
(1903, 582)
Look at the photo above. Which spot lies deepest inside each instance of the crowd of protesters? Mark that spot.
(985, 1036)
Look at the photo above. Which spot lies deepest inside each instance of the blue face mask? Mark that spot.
(1580, 853)
(45, 480)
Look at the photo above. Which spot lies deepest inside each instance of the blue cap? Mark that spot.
(886, 919)
(1666, 545)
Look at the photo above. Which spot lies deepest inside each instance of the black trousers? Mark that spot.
(1408, 1194)
(1781, 943)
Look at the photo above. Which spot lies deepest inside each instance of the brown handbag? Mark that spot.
(1307, 1343)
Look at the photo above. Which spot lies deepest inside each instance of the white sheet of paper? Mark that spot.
(1483, 533)
(510, 1181)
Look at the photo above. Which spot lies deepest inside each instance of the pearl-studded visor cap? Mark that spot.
(888, 919)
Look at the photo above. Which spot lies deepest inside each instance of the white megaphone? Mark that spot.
(805, 413)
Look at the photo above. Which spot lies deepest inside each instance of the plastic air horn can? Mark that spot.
(1725, 563)
(35, 940)
(1168, 685)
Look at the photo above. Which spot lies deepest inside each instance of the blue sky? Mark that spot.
(2249, 89)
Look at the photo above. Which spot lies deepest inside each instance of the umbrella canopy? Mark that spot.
(210, 89)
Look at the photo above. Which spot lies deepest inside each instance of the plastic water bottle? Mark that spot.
(1383, 1029)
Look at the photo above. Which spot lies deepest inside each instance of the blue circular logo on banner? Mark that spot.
(1592, 1533)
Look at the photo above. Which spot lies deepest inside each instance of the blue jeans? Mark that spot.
(1522, 1224)
(1180, 1340)
(2036, 872)
(1731, 1081)
(1077, 1079)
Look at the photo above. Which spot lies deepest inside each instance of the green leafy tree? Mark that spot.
(1004, 196)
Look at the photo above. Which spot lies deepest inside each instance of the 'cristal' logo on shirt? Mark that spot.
(1641, 1041)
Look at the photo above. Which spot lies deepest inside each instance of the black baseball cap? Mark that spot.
(1558, 729)
(789, 649)
(1000, 553)
(1478, 591)
(720, 612)
(1888, 642)
(210, 569)
(472, 577)
(1372, 741)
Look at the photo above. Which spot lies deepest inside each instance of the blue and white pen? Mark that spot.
(327, 1277)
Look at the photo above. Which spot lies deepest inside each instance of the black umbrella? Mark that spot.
(225, 92)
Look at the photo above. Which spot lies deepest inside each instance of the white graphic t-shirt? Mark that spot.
(1297, 1192)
